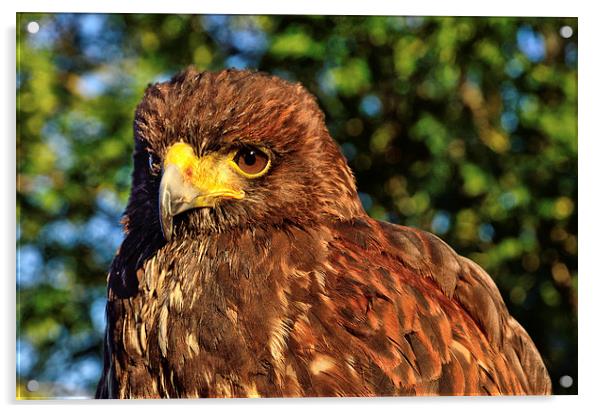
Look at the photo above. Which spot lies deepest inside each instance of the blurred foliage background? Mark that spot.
(466, 127)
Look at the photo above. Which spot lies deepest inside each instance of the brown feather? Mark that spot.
(294, 290)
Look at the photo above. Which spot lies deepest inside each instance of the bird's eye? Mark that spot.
(252, 162)
(153, 164)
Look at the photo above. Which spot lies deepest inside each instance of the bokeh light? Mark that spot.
(33, 27)
(566, 32)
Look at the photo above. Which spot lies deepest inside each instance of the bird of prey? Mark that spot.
(250, 269)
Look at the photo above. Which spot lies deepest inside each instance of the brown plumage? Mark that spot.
(282, 285)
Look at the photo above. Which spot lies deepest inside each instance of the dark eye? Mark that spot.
(252, 161)
(153, 164)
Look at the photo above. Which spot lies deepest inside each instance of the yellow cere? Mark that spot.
(182, 155)
(211, 173)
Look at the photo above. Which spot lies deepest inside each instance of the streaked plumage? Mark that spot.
(291, 290)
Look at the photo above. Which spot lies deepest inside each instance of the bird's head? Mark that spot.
(216, 151)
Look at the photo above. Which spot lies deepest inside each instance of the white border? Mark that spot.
(372, 7)
(590, 150)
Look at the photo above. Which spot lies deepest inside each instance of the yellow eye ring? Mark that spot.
(251, 162)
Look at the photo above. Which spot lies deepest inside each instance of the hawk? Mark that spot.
(250, 269)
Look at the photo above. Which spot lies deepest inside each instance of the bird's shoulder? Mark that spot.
(424, 261)
(411, 299)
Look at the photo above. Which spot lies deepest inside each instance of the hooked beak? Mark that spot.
(190, 182)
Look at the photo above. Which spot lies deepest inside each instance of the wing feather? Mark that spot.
(435, 322)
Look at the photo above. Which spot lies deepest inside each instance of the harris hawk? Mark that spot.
(250, 269)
